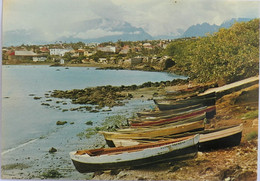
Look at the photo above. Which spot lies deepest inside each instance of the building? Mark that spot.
(62, 61)
(133, 61)
(77, 53)
(59, 51)
(147, 46)
(23, 55)
(125, 49)
(110, 49)
(102, 60)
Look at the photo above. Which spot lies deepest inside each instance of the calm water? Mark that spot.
(29, 129)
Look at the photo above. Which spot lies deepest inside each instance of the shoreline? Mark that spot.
(238, 163)
(99, 66)
(210, 165)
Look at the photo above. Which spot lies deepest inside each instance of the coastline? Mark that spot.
(100, 66)
(236, 163)
(210, 166)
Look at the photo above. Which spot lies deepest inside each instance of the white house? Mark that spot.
(62, 61)
(59, 51)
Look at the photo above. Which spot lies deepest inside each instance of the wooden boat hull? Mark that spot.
(176, 117)
(174, 151)
(209, 139)
(221, 139)
(190, 99)
(235, 86)
(167, 112)
(155, 132)
(183, 103)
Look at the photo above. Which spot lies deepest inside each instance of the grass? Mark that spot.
(252, 135)
(52, 174)
(250, 115)
(14, 166)
(111, 123)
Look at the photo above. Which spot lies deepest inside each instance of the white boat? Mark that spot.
(133, 156)
(209, 138)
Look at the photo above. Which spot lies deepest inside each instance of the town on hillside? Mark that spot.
(145, 55)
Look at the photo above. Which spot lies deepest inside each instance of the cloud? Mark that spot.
(166, 17)
(106, 9)
(96, 33)
(157, 17)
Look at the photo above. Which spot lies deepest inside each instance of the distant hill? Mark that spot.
(205, 28)
(104, 30)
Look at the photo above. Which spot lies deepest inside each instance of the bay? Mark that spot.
(30, 129)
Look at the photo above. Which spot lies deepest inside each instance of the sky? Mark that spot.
(157, 17)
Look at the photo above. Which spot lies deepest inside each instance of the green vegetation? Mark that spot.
(250, 115)
(52, 174)
(14, 166)
(252, 135)
(111, 123)
(228, 55)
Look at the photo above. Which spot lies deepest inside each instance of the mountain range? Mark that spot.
(104, 30)
(205, 28)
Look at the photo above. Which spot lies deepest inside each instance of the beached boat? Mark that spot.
(158, 113)
(188, 90)
(235, 86)
(191, 99)
(209, 139)
(148, 133)
(133, 156)
(150, 121)
(227, 137)
(171, 104)
(132, 129)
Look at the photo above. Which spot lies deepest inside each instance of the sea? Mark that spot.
(29, 130)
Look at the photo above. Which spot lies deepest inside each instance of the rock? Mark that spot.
(36, 98)
(227, 179)
(61, 122)
(52, 150)
(94, 111)
(89, 123)
(45, 104)
(200, 154)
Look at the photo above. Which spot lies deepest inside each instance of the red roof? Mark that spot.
(44, 49)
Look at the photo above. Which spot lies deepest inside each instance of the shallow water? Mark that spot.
(29, 129)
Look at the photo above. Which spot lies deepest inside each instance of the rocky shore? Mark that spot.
(235, 163)
(110, 96)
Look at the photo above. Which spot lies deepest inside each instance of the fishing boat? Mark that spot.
(209, 138)
(226, 137)
(148, 133)
(172, 104)
(132, 156)
(173, 100)
(151, 121)
(235, 86)
(158, 113)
